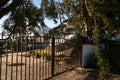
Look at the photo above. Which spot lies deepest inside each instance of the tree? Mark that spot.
(52, 9)
(5, 8)
(82, 12)
(22, 19)
(97, 19)
(29, 15)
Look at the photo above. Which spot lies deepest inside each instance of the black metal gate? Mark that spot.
(37, 58)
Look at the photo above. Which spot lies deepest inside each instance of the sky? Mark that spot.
(49, 23)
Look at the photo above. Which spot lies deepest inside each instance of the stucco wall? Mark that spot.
(87, 51)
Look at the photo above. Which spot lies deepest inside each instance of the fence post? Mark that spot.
(1, 52)
(53, 57)
(0, 57)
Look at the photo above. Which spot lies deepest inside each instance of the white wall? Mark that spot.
(87, 51)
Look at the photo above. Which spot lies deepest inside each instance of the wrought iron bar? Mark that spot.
(53, 57)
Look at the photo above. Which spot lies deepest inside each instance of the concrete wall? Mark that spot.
(87, 51)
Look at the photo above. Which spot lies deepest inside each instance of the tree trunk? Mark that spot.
(86, 15)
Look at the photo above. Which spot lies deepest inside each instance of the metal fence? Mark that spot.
(37, 58)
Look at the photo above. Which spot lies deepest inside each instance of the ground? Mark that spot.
(30, 67)
(78, 74)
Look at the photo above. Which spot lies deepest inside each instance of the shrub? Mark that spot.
(37, 55)
(60, 55)
(113, 55)
(26, 55)
(47, 56)
(66, 60)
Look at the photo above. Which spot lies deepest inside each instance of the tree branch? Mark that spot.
(3, 3)
(13, 5)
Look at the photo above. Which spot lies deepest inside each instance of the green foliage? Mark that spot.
(52, 9)
(37, 55)
(109, 15)
(1, 47)
(22, 19)
(60, 55)
(104, 67)
(103, 64)
(95, 19)
(113, 55)
(44, 55)
(47, 56)
(26, 55)
(66, 60)
(81, 15)
(7, 6)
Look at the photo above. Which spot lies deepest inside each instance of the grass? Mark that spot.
(26, 55)
(46, 55)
